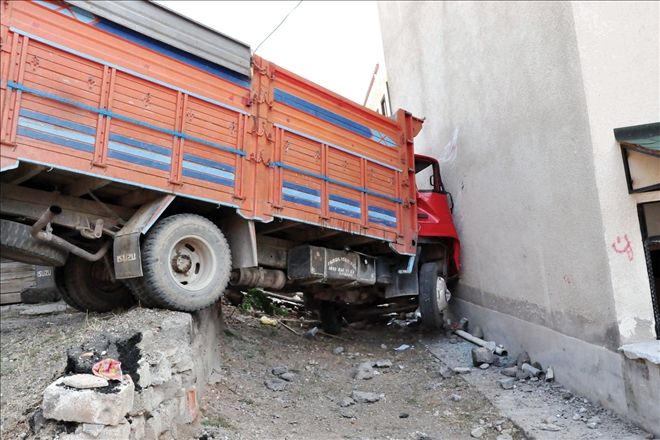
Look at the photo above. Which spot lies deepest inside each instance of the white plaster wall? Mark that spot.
(619, 48)
(508, 76)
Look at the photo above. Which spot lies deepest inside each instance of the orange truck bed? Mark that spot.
(82, 94)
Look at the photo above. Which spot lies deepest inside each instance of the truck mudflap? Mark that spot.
(312, 264)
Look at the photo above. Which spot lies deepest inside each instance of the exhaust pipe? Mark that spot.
(52, 239)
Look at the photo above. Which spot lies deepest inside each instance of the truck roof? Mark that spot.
(164, 25)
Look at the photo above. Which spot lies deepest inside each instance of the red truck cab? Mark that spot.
(434, 210)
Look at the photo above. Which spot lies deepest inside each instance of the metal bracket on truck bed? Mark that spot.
(126, 249)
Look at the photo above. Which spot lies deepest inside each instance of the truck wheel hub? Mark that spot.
(181, 263)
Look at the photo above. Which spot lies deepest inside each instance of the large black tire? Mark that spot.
(88, 287)
(432, 295)
(186, 263)
(16, 243)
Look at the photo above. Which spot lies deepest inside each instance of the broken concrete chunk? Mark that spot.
(523, 358)
(288, 376)
(87, 405)
(279, 370)
(484, 366)
(364, 371)
(461, 370)
(523, 374)
(533, 371)
(506, 384)
(84, 381)
(383, 363)
(349, 413)
(275, 384)
(365, 397)
(549, 374)
(482, 355)
(478, 432)
(346, 401)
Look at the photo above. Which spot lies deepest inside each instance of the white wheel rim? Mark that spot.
(191, 263)
(442, 294)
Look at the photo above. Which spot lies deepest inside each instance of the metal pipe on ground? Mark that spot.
(480, 342)
(48, 237)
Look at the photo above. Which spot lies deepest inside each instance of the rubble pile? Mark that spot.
(149, 388)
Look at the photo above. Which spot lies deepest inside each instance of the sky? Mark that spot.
(335, 44)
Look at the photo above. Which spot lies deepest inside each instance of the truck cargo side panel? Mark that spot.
(82, 99)
(335, 163)
(82, 94)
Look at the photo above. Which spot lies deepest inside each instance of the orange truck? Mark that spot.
(151, 159)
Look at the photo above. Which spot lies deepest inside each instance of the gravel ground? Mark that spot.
(417, 398)
(416, 403)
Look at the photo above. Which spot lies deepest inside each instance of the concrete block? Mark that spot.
(161, 371)
(148, 399)
(144, 371)
(100, 406)
(91, 431)
(137, 427)
(177, 327)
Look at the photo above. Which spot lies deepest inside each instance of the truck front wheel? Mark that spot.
(433, 295)
(186, 263)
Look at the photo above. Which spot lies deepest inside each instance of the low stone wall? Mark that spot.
(167, 358)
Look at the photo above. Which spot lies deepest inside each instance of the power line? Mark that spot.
(277, 27)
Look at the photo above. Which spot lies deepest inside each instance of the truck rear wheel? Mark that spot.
(88, 286)
(186, 263)
(16, 243)
(433, 295)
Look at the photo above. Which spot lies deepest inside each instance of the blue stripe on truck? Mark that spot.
(333, 118)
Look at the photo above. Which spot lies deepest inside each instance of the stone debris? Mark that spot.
(338, 350)
(364, 371)
(288, 376)
(533, 371)
(309, 334)
(484, 366)
(549, 427)
(84, 381)
(366, 397)
(461, 370)
(87, 405)
(404, 415)
(510, 371)
(506, 384)
(445, 372)
(383, 363)
(275, 384)
(549, 374)
(349, 413)
(402, 347)
(478, 432)
(346, 401)
(593, 422)
(455, 398)
(279, 370)
(482, 355)
(523, 358)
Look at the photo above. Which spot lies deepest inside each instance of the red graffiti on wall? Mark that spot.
(623, 248)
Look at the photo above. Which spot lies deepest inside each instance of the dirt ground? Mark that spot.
(415, 400)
